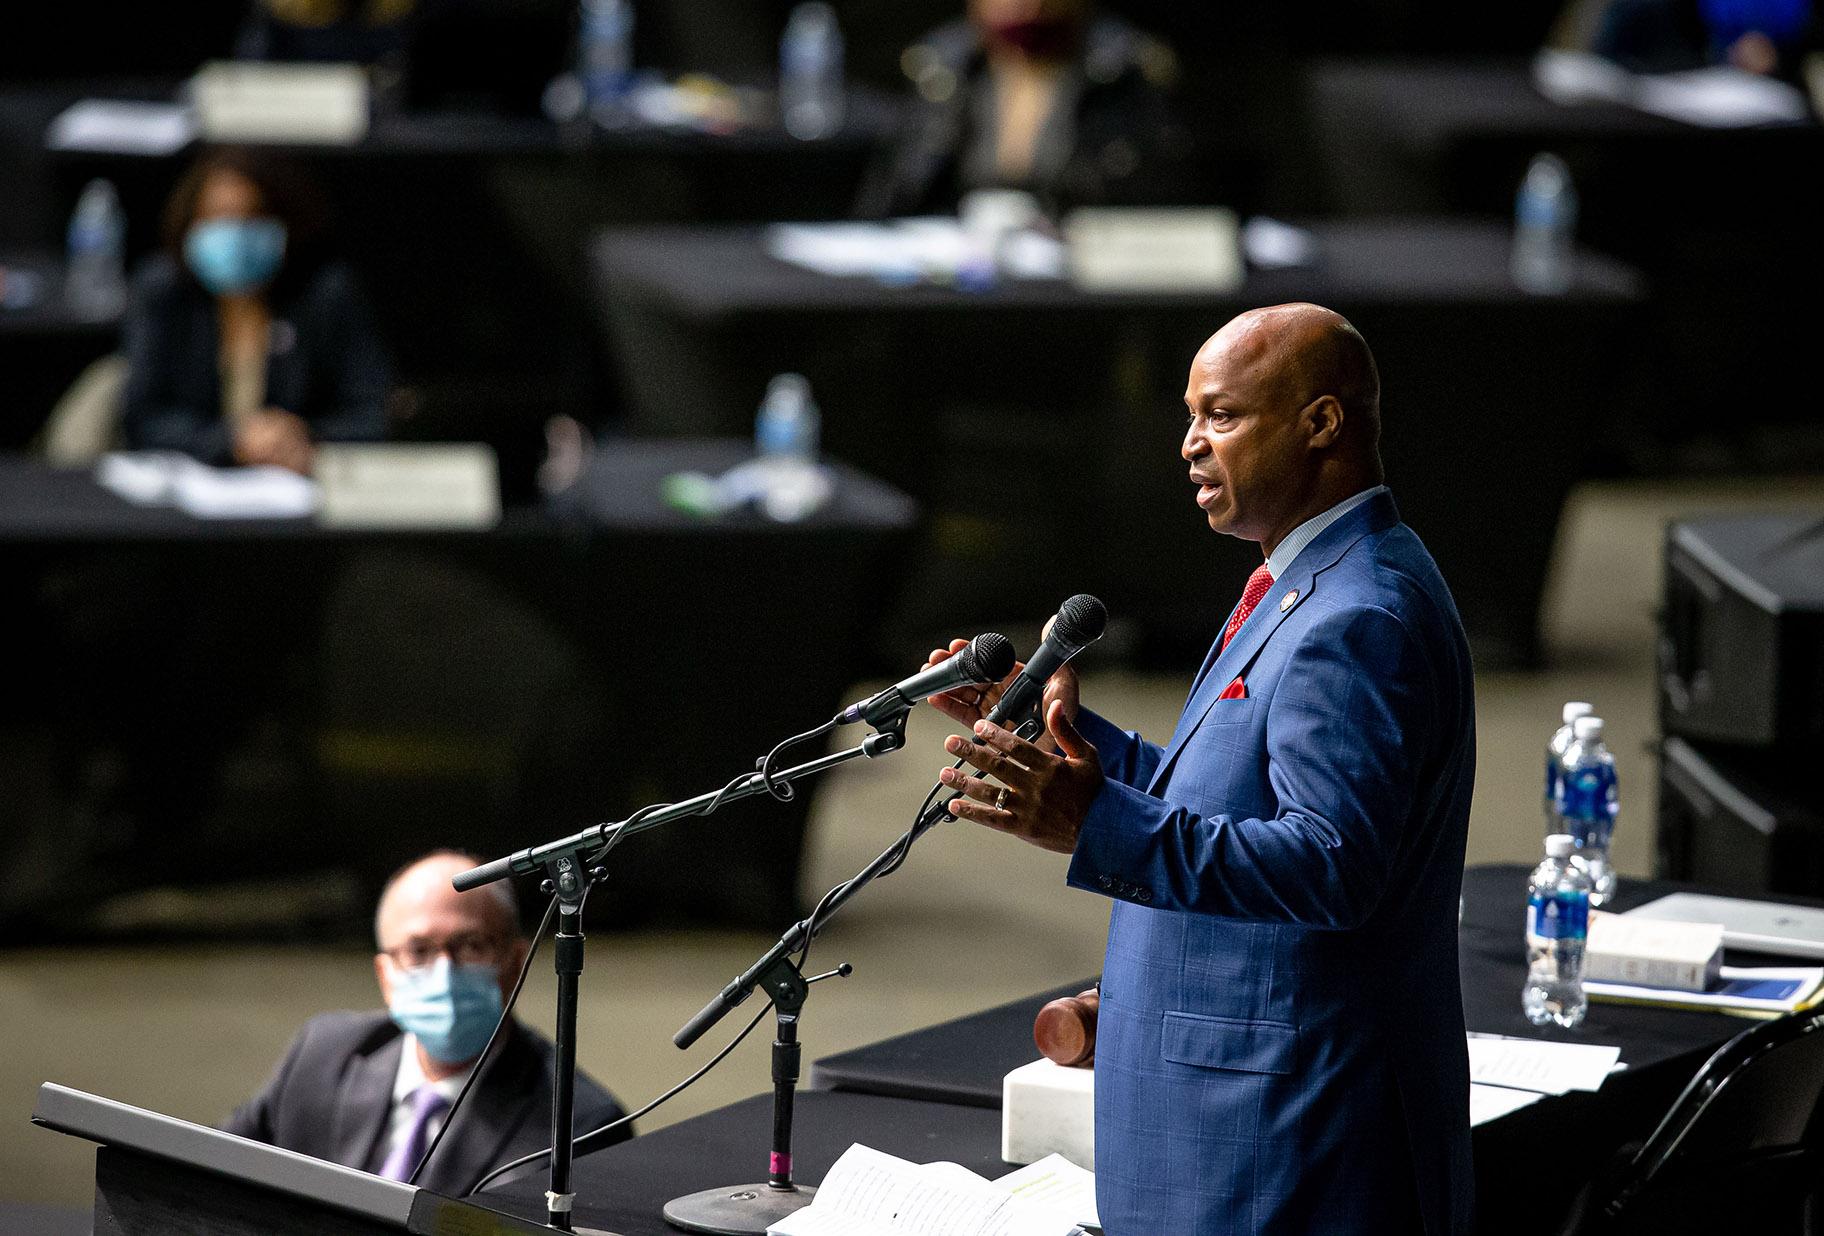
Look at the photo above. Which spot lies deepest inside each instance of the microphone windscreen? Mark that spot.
(1080, 621)
(991, 656)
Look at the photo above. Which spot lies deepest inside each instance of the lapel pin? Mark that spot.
(1288, 601)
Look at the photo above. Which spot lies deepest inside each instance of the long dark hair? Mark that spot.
(286, 193)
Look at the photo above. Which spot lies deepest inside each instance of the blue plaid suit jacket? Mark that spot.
(1280, 1047)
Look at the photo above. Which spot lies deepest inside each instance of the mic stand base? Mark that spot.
(744, 1210)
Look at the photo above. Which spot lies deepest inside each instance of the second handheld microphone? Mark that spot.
(1078, 623)
(988, 658)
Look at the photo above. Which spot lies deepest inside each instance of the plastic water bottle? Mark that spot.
(1554, 758)
(786, 436)
(1545, 228)
(96, 283)
(1589, 803)
(1557, 926)
(605, 57)
(811, 97)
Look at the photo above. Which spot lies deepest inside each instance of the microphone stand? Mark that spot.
(569, 874)
(749, 1209)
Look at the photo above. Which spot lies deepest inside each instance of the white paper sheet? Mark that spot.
(1543, 1067)
(163, 478)
(122, 127)
(868, 1193)
(1488, 1103)
(1056, 1185)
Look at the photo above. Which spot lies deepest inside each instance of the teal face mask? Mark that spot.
(451, 1010)
(231, 256)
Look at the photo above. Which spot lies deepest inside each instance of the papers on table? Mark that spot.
(113, 126)
(159, 478)
(1760, 991)
(1507, 1074)
(943, 250)
(868, 1193)
(1719, 97)
(905, 250)
(1488, 1103)
(1540, 1066)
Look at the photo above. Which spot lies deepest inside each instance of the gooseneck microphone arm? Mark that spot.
(600, 836)
(804, 930)
(987, 659)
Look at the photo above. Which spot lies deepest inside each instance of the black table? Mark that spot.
(1723, 222)
(624, 1188)
(936, 1093)
(963, 1061)
(284, 697)
(1041, 424)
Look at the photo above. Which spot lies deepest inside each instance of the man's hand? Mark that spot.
(277, 438)
(1047, 794)
(970, 704)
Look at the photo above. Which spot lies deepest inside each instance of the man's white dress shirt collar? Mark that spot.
(1287, 551)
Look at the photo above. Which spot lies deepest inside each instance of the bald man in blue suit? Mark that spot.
(1280, 1047)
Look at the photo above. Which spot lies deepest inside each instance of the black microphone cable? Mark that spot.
(481, 1061)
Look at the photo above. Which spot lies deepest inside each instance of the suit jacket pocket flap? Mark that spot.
(1230, 711)
(1229, 1043)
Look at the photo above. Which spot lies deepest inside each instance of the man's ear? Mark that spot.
(1323, 419)
(382, 977)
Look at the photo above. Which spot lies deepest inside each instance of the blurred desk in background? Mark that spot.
(1041, 424)
(1724, 222)
(283, 698)
(44, 344)
(468, 232)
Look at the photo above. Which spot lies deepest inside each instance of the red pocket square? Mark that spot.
(1237, 690)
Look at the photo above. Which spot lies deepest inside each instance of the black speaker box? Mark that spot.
(1724, 820)
(1741, 649)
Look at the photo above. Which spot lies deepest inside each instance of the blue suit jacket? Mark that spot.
(1280, 1047)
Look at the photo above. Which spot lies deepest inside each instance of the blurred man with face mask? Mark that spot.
(371, 1090)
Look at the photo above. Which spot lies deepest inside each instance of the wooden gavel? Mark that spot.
(1065, 1029)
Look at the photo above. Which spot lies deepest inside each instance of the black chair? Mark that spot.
(1742, 1148)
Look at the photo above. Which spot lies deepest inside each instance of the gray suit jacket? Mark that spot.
(331, 1094)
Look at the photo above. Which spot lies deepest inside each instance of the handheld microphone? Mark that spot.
(1078, 623)
(988, 658)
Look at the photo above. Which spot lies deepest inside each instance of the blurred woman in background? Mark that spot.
(243, 344)
(1046, 96)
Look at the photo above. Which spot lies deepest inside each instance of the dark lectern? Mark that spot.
(158, 1174)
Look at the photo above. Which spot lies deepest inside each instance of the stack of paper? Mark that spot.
(868, 1193)
(1506, 1074)
(163, 478)
(113, 126)
(1751, 991)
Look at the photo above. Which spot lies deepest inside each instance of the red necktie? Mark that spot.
(1258, 584)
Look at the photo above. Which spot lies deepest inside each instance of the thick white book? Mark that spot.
(1653, 952)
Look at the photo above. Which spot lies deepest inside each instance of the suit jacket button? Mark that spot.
(1145, 895)
(1104, 882)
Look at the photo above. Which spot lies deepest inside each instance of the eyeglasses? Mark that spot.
(466, 949)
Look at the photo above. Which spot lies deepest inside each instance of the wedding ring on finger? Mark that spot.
(1000, 800)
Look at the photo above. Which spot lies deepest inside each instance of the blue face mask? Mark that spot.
(450, 1009)
(231, 256)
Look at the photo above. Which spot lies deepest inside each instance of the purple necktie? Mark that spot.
(427, 1103)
